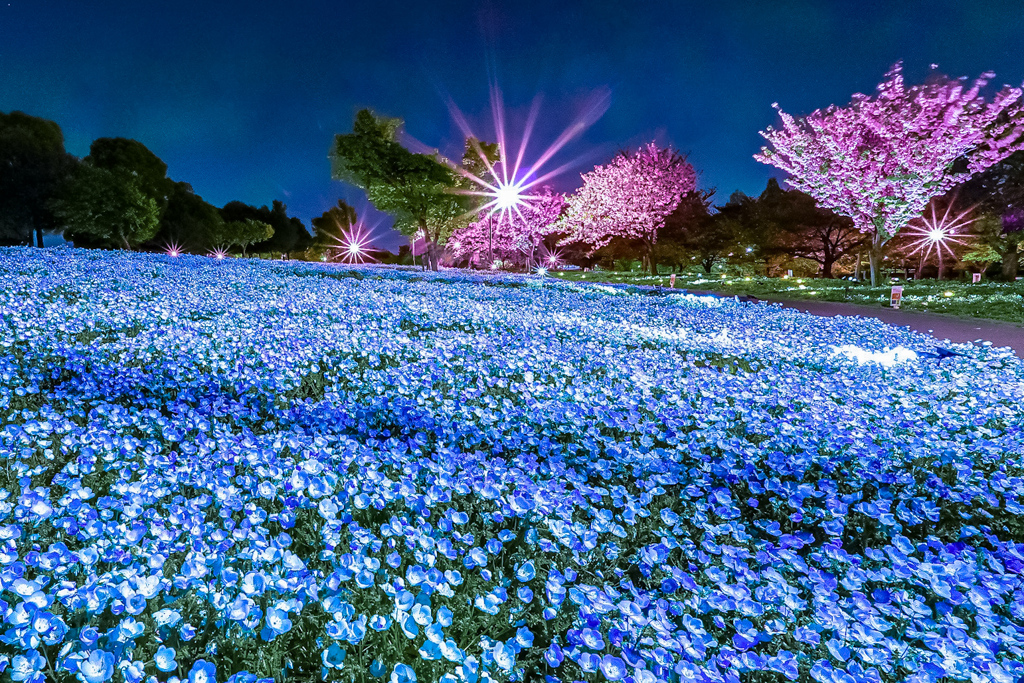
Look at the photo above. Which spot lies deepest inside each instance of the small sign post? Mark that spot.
(976, 278)
(789, 273)
(672, 281)
(895, 296)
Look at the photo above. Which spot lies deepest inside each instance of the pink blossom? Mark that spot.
(630, 197)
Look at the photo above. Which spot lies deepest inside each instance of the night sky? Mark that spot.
(242, 98)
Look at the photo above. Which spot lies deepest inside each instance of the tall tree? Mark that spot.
(289, 234)
(188, 221)
(417, 189)
(330, 227)
(241, 234)
(789, 223)
(998, 194)
(33, 167)
(694, 229)
(882, 158)
(630, 198)
(133, 158)
(106, 208)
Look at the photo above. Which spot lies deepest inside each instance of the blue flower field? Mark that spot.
(240, 470)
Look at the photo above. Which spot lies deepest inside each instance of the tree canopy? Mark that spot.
(33, 166)
(289, 234)
(107, 208)
(330, 227)
(417, 189)
(630, 198)
(882, 158)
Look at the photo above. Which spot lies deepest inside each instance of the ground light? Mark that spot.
(937, 234)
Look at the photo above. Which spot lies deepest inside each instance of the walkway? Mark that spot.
(957, 330)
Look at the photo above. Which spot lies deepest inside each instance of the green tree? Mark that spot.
(106, 208)
(188, 221)
(241, 234)
(132, 158)
(998, 194)
(786, 224)
(329, 228)
(33, 167)
(289, 234)
(419, 190)
(692, 228)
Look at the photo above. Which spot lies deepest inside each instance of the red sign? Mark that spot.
(977, 278)
(895, 296)
(672, 280)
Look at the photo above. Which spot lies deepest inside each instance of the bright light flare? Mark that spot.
(938, 233)
(507, 196)
(173, 250)
(506, 183)
(355, 245)
(218, 254)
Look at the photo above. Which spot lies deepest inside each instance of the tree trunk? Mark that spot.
(1010, 259)
(875, 259)
(432, 255)
(39, 237)
(826, 267)
(650, 257)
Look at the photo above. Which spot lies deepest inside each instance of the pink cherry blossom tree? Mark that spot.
(882, 158)
(513, 236)
(629, 197)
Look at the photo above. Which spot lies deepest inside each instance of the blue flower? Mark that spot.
(554, 656)
(27, 667)
(89, 636)
(592, 639)
(364, 579)
(430, 650)
(165, 658)
(526, 571)
(524, 637)
(277, 622)
(403, 674)
(333, 656)
(167, 617)
(408, 626)
(589, 662)
(613, 668)
(202, 672)
(97, 667)
(504, 656)
(133, 672)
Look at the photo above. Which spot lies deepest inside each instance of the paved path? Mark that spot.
(957, 330)
(942, 327)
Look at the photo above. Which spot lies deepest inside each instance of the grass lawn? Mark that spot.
(995, 300)
(234, 470)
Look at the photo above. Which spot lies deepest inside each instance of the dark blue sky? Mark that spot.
(241, 98)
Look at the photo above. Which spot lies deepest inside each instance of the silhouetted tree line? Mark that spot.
(119, 196)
